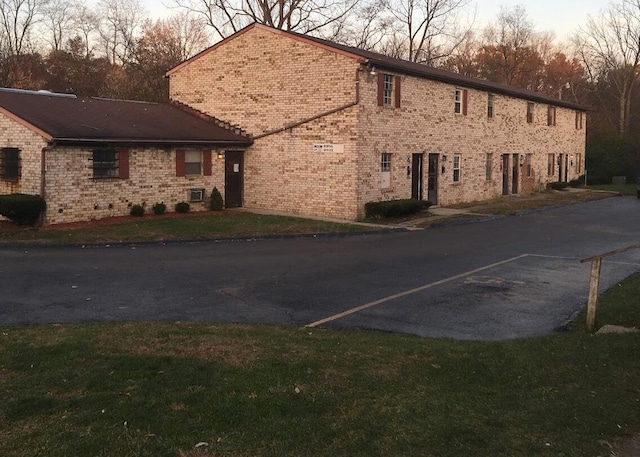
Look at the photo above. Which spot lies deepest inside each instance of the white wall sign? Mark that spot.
(327, 147)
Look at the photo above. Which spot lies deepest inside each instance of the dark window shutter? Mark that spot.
(380, 89)
(206, 162)
(465, 97)
(180, 162)
(397, 88)
(123, 164)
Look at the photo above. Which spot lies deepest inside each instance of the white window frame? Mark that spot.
(387, 91)
(385, 170)
(531, 107)
(551, 116)
(489, 167)
(490, 100)
(457, 101)
(193, 163)
(551, 164)
(457, 170)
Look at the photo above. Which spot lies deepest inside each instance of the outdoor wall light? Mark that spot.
(220, 156)
(444, 158)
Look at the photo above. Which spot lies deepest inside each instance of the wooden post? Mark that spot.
(594, 284)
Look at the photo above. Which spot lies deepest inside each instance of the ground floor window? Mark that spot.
(456, 168)
(529, 163)
(579, 163)
(105, 163)
(488, 167)
(10, 163)
(551, 164)
(385, 170)
(193, 163)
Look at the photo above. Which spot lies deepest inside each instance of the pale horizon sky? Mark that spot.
(560, 16)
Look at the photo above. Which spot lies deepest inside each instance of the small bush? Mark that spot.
(137, 210)
(216, 203)
(159, 208)
(395, 208)
(21, 208)
(183, 207)
(557, 185)
(575, 183)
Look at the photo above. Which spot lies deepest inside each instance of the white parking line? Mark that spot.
(409, 292)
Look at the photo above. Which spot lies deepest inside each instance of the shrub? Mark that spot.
(557, 185)
(21, 208)
(159, 208)
(216, 203)
(395, 208)
(182, 207)
(576, 183)
(137, 210)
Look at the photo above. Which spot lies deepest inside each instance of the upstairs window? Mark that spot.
(551, 115)
(460, 102)
(105, 163)
(490, 98)
(10, 163)
(579, 120)
(388, 90)
(530, 108)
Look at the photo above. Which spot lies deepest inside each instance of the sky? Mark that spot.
(560, 16)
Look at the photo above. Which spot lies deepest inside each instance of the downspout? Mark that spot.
(317, 116)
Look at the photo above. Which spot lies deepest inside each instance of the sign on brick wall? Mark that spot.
(327, 147)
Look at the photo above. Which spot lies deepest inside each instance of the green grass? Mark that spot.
(624, 189)
(158, 389)
(208, 226)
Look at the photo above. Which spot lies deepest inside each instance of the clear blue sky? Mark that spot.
(560, 16)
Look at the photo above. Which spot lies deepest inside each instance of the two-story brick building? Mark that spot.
(335, 127)
(283, 121)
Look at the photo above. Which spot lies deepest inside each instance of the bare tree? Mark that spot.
(86, 24)
(366, 28)
(120, 24)
(609, 46)
(303, 16)
(18, 20)
(431, 29)
(58, 22)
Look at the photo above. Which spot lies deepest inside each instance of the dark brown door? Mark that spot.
(416, 177)
(432, 183)
(560, 166)
(233, 178)
(515, 178)
(505, 174)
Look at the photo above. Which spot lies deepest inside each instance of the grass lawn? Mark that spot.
(624, 189)
(160, 389)
(228, 224)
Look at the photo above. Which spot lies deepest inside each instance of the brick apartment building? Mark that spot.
(293, 123)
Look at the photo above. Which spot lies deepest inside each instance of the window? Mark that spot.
(456, 168)
(196, 195)
(529, 163)
(579, 120)
(551, 164)
(460, 102)
(551, 115)
(490, 98)
(488, 167)
(105, 163)
(530, 107)
(10, 163)
(385, 170)
(388, 90)
(193, 163)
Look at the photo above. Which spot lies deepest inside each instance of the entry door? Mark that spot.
(560, 167)
(505, 174)
(233, 178)
(516, 173)
(432, 182)
(416, 177)
(566, 168)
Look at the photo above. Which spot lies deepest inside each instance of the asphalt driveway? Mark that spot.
(512, 277)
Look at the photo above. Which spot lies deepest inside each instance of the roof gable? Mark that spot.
(69, 119)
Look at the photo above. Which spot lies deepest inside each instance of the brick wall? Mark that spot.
(73, 194)
(264, 80)
(14, 135)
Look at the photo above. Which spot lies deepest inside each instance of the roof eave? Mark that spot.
(149, 142)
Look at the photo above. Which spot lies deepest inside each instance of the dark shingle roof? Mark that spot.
(70, 119)
(425, 71)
